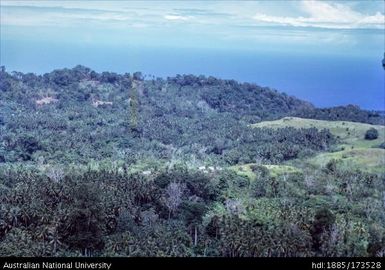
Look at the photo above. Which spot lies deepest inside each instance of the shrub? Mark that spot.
(371, 134)
(331, 166)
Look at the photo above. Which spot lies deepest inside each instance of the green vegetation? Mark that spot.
(183, 212)
(76, 116)
(353, 148)
(252, 170)
(346, 113)
(349, 134)
(367, 159)
(371, 134)
(102, 164)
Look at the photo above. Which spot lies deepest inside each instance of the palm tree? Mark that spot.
(54, 238)
(13, 215)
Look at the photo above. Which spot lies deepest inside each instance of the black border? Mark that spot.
(118, 263)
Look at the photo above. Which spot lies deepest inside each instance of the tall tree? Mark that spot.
(134, 104)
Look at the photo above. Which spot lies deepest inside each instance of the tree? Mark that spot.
(83, 229)
(192, 213)
(27, 146)
(321, 227)
(55, 174)
(371, 134)
(138, 76)
(134, 104)
(173, 198)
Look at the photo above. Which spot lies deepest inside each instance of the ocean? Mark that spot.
(325, 79)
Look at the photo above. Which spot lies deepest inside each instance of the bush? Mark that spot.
(322, 224)
(371, 134)
(331, 166)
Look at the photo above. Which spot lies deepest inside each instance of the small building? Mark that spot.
(97, 103)
(46, 100)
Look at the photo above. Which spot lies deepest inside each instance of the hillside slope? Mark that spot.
(352, 149)
(78, 115)
(349, 133)
(101, 164)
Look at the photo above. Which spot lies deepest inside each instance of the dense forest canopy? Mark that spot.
(74, 115)
(106, 164)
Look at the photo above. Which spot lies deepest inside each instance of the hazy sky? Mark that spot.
(66, 33)
(228, 24)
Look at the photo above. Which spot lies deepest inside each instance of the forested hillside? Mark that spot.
(75, 115)
(105, 164)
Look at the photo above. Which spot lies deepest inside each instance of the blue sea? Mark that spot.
(319, 77)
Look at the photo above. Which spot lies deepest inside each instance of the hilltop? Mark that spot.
(77, 115)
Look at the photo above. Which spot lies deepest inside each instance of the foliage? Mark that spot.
(371, 134)
(343, 113)
(104, 164)
(124, 117)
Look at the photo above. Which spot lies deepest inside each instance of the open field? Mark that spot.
(366, 159)
(274, 170)
(354, 150)
(350, 134)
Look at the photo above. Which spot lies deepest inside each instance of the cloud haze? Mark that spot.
(330, 15)
(323, 47)
(326, 15)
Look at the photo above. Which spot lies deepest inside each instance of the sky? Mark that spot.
(327, 52)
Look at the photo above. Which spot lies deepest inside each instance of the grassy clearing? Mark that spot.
(355, 151)
(366, 159)
(277, 170)
(350, 134)
(274, 170)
